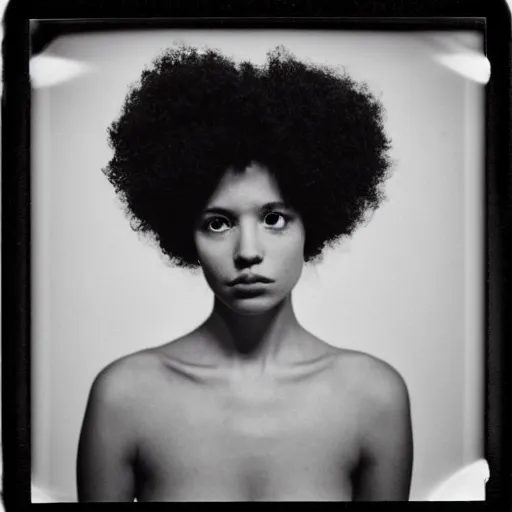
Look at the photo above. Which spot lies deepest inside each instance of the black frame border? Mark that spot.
(30, 25)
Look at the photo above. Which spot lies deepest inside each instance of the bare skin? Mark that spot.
(184, 422)
(249, 406)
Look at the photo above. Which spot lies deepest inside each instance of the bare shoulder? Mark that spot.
(122, 380)
(111, 429)
(376, 383)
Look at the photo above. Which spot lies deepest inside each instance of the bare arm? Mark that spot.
(106, 449)
(385, 469)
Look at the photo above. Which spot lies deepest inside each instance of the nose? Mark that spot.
(249, 250)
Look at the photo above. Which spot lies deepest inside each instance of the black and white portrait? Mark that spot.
(257, 264)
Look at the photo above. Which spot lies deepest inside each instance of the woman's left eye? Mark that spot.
(275, 220)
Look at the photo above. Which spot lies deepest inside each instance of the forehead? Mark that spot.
(253, 186)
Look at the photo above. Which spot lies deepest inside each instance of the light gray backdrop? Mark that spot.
(406, 288)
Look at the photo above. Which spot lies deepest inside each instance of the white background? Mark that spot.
(406, 288)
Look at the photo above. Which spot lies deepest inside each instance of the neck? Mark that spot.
(253, 340)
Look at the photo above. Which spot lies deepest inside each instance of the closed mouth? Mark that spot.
(250, 279)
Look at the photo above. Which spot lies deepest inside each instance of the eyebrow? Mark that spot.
(226, 211)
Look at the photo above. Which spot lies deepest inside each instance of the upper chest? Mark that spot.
(203, 422)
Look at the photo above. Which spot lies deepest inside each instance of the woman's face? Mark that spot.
(249, 243)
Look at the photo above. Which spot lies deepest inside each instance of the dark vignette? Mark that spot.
(493, 15)
(16, 264)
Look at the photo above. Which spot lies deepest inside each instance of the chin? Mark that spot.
(252, 306)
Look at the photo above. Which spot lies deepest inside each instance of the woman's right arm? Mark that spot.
(107, 449)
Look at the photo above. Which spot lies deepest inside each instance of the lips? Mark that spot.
(248, 279)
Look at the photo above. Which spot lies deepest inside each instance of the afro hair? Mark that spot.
(192, 115)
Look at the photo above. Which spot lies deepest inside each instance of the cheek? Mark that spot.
(290, 255)
(212, 255)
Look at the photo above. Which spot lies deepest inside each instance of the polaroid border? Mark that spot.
(31, 25)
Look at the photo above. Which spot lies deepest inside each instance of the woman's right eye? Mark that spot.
(218, 225)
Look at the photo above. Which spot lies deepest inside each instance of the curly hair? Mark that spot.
(195, 114)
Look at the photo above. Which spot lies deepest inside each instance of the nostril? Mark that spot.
(248, 251)
(242, 261)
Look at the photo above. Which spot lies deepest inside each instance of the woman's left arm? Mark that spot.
(385, 468)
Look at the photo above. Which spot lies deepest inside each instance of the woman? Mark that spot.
(247, 172)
